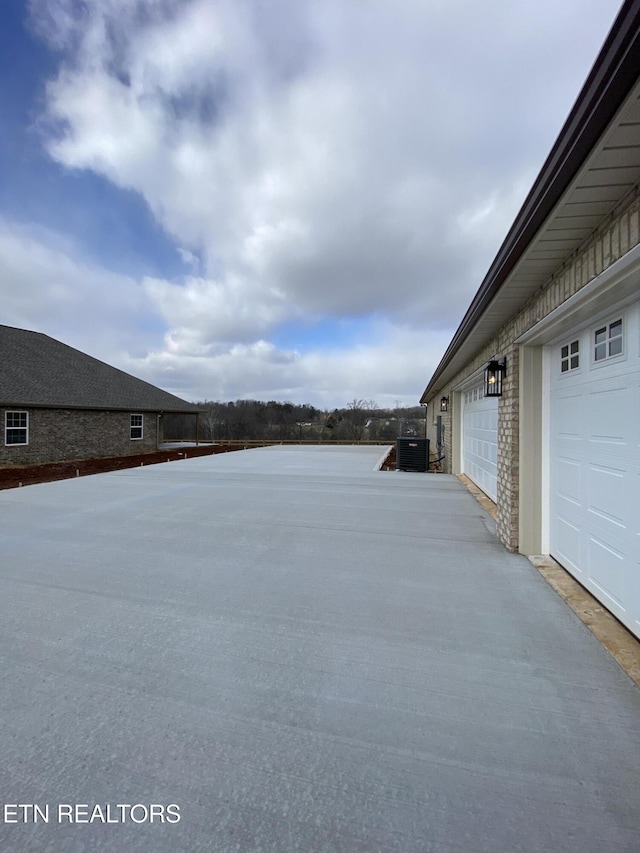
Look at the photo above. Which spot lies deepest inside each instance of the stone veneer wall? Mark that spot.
(57, 435)
(619, 233)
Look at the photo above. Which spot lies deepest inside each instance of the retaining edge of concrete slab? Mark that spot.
(382, 459)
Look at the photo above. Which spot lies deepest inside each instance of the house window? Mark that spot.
(136, 427)
(607, 341)
(16, 428)
(570, 356)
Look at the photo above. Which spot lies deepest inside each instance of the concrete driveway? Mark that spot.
(290, 651)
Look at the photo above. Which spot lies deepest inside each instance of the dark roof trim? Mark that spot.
(63, 407)
(614, 73)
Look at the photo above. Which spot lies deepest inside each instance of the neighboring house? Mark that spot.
(559, 450)
(56, 403)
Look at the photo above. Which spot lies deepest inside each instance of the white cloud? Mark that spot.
(203, 311)
(388, 369)
(321, 159)
(189, 259)
(47, 287)
(112, 317)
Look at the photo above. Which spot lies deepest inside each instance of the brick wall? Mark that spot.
(57, 435)
(619, 233)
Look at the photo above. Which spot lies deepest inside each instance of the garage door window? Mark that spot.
(608, 341)
(570, 356)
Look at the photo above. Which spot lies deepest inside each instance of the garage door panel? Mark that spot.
(569, 420)
(567, 539)
(608, 571)
(606, 497)
(568, 480)
(480, 440)
(486, 482)
(594, 470)
(609, 418)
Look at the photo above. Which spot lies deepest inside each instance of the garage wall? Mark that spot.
(619, 233)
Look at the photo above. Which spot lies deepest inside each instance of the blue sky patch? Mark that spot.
(327, 334)
(111, 226)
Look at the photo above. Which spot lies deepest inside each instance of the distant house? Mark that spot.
(56, 404)
(537, 397)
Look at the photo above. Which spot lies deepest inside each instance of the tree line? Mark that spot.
(255, 420)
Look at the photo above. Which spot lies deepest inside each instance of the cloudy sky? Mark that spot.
(272, 199)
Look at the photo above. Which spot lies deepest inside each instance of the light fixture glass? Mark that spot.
(494, 373)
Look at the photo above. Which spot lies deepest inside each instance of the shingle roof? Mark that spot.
(36, 370)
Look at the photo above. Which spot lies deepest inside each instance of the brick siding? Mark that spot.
(58, 435)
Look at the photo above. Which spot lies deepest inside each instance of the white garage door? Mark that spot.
(480, 440)
(595, 460)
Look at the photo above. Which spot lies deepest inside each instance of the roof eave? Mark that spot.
(22, 404)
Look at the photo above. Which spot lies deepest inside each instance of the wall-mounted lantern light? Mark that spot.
(494, 373)
(444, 404)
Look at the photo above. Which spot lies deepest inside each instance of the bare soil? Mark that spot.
(389, 463)
(13, 476)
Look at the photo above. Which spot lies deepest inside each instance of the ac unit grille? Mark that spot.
(412, 454)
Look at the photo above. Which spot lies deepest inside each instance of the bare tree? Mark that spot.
(358, 414)
(210, 418)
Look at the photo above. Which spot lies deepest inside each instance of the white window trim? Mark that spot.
(606, 324)
(7, 428)
(139, 426)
